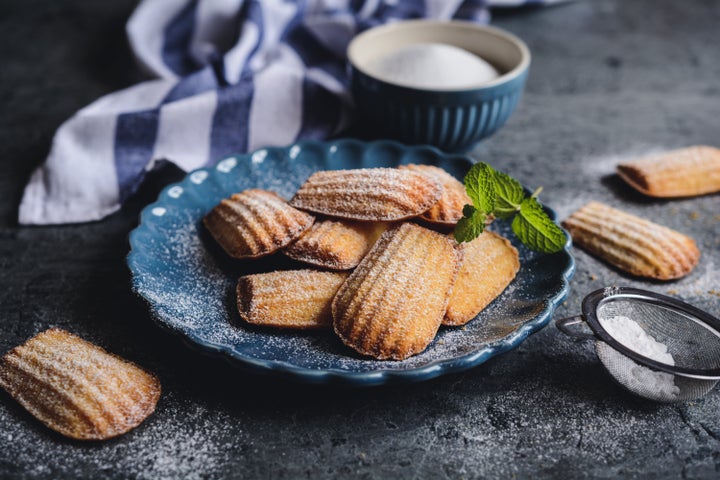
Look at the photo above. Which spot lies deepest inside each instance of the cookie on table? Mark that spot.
(631, 243)
(77, 388)
(686, 172)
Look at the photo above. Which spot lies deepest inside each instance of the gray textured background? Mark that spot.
(609, 79)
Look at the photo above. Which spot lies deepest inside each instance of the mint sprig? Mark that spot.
(535, 229)
(479, 185)
(509, 194)
(471, 225)
(496, 194)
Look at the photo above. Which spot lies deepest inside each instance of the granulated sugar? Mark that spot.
(630, 334)
(433, 66)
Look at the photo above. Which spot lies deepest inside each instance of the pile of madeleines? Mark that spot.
(384, 269)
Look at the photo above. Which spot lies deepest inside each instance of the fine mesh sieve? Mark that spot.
(692, 338)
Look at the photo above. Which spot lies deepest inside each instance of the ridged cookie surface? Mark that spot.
(685, 172)
(335, 244)
(489, 264)
(370, 194)
(392, 305)
(449, 209)
(297, 299)
(77, 388)
(631, 243)
(255, 223)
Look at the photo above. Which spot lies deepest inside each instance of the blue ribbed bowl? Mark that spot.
(452, 120)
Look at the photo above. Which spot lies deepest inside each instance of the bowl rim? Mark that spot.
(515, 72)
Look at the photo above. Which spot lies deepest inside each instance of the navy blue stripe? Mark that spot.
(405, 9)
(409, 9)
(357, 5)
(135, 135)
(296, 21)
(230, 123)
(321, 111)
(177, 37)
(253, 13)
(314, 54)
(194, 84)
(473, 10)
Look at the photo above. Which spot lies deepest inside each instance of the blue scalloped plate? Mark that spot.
(190, 284)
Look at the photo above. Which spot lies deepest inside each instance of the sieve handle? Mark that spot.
(564, 325)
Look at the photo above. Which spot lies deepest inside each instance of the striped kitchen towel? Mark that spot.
(232, 76)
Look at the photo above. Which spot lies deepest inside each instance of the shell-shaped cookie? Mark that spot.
(449, 209)
(335, 244)
(298, 299)
(255, 223)
(370, 194)
(77, 388)
(631, 243)
(392, 305)
(490, 263)
(685, 172)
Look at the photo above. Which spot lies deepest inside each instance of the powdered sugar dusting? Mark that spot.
(166, 446)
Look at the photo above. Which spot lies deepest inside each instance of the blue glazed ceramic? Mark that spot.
(189, 283)
(452, 120)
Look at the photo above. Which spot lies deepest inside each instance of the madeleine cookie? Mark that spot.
(489, 264)
(255, 223)
(679, 173)
(392, 305)
(297, 299)
(370, 194)
(77, 388)
(449, 209)
(631, 243)
(335, 244)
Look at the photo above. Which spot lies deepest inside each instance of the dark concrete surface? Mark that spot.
(609, 79)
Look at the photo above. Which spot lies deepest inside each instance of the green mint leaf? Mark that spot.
(480, 187)
(509, 195)
(536, 230)
(468, 210)
(470, 226)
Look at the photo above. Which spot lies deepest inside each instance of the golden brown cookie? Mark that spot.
(370, 194)
(449, 209)
(298, 299)
(489, 264)
(392, 305)
(631, 243)
(77, 388)
(686, 172)
(255, 223)
(335, 244)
